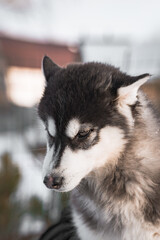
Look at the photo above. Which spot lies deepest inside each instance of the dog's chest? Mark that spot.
(94, 222)
(109, 223)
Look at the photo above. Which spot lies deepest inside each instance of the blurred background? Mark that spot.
(124, 33)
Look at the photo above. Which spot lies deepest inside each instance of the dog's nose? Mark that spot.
(53, 182)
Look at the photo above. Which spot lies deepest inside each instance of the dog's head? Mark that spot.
(87, 113)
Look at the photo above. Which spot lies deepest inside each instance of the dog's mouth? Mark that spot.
(62, 189)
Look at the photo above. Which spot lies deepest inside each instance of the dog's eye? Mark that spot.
(50, 135)
(51, 139)
(84, 134)
(46, 129)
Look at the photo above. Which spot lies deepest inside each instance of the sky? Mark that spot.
(72, 20)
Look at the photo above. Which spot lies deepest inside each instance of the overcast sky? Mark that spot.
(70, 20)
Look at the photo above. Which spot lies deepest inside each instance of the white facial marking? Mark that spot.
(73, 128)
(50, 160)
(55, 156)
(47, 164)
(75, 165)
(51, 127)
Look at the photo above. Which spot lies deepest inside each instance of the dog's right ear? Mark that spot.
(48, 67)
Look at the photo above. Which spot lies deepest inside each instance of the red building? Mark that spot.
(22, 53)
(20, 63)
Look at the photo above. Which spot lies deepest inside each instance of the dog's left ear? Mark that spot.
(128, 94)
(48, 67)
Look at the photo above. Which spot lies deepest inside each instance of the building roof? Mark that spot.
(22, 53)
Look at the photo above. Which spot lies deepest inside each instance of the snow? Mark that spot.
(31, 182)
(31, 225)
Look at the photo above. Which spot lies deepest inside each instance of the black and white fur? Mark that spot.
(103, 141)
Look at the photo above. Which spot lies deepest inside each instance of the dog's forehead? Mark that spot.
(77, 91)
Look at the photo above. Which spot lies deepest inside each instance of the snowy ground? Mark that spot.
(31, 184)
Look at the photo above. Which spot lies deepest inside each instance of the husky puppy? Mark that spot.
(103, 144)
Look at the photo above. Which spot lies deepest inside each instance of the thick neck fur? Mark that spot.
(131, 187)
